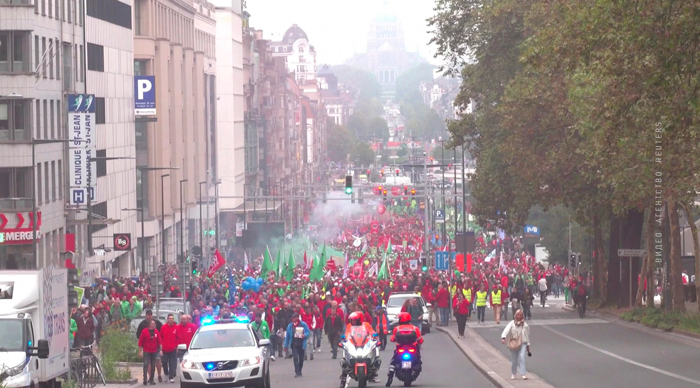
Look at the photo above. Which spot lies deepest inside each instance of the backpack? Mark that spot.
(581, 290)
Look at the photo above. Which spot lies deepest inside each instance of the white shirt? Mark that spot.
(542, 284)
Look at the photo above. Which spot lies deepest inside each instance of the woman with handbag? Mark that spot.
(516, 336)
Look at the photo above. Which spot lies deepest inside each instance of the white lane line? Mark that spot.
(625, 359)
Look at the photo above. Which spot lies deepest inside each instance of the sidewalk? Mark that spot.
(493, 364)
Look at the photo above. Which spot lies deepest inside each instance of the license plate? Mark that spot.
(405, 364)
(220, 375)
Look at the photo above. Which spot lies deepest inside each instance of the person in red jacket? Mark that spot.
(185, 332)
(308, 317)
(149, 346)
(429, 297)
(442, 299)
(168, 334)
(461, 309)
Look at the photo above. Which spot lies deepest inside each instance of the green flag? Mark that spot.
(276, 265)
(291, 264)
(316, 273)
(324, 258)
(383, 273)
(267, 262)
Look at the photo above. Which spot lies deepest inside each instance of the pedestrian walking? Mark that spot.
(542, 286)
(168, 335)
(149, 346)
(461, 308)
(516, 336)
(526, 303)
(333, 327)
(381, 326)
(565, 284)
(496, 302)
(297, 334)
(481, 304)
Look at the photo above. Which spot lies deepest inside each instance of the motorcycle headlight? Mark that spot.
(188, 364)
(255, 360)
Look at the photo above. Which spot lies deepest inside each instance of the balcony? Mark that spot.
(18, 204)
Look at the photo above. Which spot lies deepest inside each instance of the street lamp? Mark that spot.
(442, 162)
(162, 214)
(201, 227)
(143, 169)
(182, 224)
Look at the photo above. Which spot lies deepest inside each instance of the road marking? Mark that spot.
(539, 322)
(625, 359)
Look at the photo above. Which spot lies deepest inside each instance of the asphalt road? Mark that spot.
(584, 353)
(444, 365)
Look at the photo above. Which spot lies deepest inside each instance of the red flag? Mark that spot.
(218, 263)
(306, 266)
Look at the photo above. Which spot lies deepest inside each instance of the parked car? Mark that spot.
(396, 301)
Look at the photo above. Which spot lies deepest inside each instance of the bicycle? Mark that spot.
(579, 307)
(87, 354)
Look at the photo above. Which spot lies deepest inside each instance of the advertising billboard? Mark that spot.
(145, 95)
(82, 130)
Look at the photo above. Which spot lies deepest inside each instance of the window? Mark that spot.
(53, 181)
(46, 181)
(15, 119)
(140, 67)
(50, 57)
(16, 183)
(101, 165)
(37, 114)
(99, 212)
(100, 110)
(63, 10)
(137, 17)
(39, 197)
(59, 122)
(43, 60)
(50, 8)
(58, 58)
(15, 51)
(37, 56)
(69, 10)
(52, 121)
(81, 74)
(43, 6)
(67, 66)
(96, 57)
(60, 179)
(45, 118)
(141, 136)
(111, 11)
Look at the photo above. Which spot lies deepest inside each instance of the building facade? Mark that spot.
(299, 55)
(174, 42)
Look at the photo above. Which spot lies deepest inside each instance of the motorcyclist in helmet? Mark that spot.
(403, 326)
(355, 319)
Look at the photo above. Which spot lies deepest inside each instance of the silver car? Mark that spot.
(396, 301)
(225, 354)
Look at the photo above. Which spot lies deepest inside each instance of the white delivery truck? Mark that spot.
(34, 325)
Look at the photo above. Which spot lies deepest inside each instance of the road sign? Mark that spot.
(631, 252)
(395, 190)
(439, 216)
(442, 260)
(122, 241)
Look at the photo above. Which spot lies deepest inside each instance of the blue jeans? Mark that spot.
(444, 315)
(317, 335)
(418, 324)
(518, 357)
(298, 354)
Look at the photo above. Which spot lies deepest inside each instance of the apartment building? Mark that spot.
(42, 61)
(174, 45)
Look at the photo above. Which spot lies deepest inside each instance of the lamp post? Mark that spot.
(145, 169)
(162, 214)
(442, 162)
(182, 224)
(216, 212)
(201, 228)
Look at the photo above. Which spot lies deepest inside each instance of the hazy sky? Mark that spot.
(338, 28)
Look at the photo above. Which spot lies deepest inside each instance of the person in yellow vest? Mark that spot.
(496, 303)
(481, 303)
(467, 292)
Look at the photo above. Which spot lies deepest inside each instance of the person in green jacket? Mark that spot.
(73, 330)
(261, 328)
(131, 309)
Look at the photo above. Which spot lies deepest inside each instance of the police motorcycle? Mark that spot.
(360, 361)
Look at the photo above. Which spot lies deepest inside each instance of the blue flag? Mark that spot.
(231, 288)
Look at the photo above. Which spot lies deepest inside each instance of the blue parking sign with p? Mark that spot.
(145, 95)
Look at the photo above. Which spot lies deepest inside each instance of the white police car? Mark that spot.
(225, 354)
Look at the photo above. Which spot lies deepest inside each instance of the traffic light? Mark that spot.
(573, 261)
(73, 301)
(194, 267)
(425, 268)
(348, 184)
(397, 172)
(405, 190)
(369, 171)
(211, 232)
(413, 192)
(381, 174)
(384, 192)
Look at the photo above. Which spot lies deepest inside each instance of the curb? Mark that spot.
(492, 376)
(123, 382)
